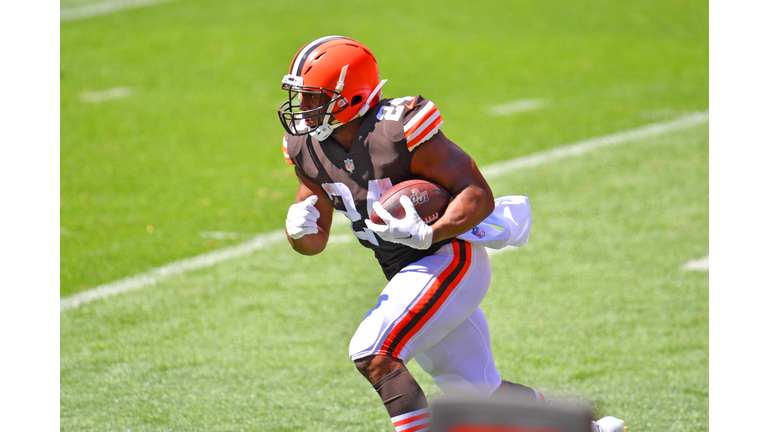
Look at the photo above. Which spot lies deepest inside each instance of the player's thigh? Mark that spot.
(424, 302)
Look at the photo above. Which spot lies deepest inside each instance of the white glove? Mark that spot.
(411, 230)
(302, 218)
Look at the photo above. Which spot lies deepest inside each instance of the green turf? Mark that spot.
(595, 307)
(195, 147)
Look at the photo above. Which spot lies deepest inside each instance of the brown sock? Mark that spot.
(404, 400)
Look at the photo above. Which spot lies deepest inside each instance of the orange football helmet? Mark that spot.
(341, 68)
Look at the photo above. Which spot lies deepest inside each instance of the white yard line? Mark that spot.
(340, 238)
(105, 8)
(535, 159)
(101, 96)
(701, 264)
(155, 275)
(269, 239)
(223, 235)
(517, 106)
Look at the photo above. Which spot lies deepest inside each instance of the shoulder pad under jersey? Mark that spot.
(415, 119)
(292, 147)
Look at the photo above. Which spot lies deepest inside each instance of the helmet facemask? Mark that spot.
(297, 121)
(320, 69)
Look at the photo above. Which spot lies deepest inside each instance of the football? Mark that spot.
(429, 199)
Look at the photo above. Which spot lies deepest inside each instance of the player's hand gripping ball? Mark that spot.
(429, 199)
(417, 203)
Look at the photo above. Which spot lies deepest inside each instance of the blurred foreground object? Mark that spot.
(515, 415)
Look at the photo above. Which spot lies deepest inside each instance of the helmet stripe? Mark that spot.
(301, 57)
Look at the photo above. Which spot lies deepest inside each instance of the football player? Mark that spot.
(348, 145)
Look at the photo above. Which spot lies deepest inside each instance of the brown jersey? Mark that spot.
(380, 157)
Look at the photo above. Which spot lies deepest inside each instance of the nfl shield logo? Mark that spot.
(349, 164)
(478, 232)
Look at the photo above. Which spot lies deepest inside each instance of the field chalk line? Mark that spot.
(105, 8)
(266, 240)
(698, 265)
(517, 106)
(104, 95)
(155, 275)
(581, 147)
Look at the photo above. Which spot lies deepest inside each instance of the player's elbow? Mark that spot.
(308, 251)
(487, 202)
(309, 245)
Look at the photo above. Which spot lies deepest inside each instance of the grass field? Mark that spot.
(596, 305)
(170, 147)
(195, 147)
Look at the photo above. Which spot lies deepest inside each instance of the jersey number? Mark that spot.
(375, 189)
(394, 110)
(391, 113)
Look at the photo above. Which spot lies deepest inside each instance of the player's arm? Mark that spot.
(441, 161)
(304, 236)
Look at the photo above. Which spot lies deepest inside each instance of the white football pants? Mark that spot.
(430, 312)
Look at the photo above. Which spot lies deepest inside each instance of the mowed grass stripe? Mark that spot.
(596, 305)
(265, 240)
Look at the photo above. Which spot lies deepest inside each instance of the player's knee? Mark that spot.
(376, 367)
(510, 390)
(363, 365)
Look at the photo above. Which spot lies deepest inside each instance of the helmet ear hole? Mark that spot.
(356, 99)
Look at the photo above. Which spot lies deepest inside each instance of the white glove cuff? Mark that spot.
(426, 238)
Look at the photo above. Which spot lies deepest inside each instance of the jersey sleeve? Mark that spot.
(286, 155)
(421, 121)
(292, 148)
(410, 119)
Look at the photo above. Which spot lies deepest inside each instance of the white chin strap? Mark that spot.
(325, 130)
